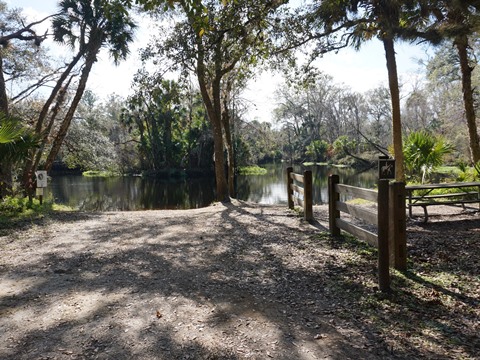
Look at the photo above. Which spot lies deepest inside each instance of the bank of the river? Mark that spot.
(232, 281)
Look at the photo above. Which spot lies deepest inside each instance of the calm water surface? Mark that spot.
(137, 193)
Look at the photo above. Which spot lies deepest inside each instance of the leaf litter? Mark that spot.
(234, 281)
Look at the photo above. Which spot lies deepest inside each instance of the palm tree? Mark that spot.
(357, 21)
(459, 21)
(90, 26)
(424, 152)
(15, 142)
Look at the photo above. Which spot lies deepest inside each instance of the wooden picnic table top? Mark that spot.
(441, 186)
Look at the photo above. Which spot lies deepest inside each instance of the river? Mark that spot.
(138, 193)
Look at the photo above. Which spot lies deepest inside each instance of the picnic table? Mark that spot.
(463, 195)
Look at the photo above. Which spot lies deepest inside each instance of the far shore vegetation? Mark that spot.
(252, 170)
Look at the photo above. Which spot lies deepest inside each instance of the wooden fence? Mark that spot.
(301, 195)
(389, 218)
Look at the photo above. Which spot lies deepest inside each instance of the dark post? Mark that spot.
(383, 254)
(398, 226)
(291, 205)
(333, 197)
(308, 195)
(30, 188)
(478, 197)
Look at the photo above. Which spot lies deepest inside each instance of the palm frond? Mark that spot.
(15, 139)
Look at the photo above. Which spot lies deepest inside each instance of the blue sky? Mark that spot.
(360, 70)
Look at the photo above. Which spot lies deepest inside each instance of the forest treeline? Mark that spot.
(196, 122)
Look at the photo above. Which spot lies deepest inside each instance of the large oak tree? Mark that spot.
(220, 42)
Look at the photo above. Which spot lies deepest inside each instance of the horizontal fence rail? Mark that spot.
(337, 207)
(378, 218)
(299, 190)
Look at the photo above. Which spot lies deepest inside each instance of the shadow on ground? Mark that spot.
(234, 281)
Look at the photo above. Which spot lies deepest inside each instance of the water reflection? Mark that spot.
(131, 193)
(136, 193)
(271, 188)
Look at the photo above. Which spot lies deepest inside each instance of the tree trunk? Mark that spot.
(6, 179)
(229, 144)
(220, 178)
(461, 42)
(3, 91)
(60, 101)
(6, 168)
(214, 115)
(34, 158)
(222, 183)
(167, 138)
(62, 132)
(396, 117)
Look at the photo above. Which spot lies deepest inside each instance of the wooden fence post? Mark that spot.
(333, 197)
(291, 204)
(307, 196)
(383, 222)
(398, 225)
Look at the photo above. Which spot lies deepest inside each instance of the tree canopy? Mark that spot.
(168, 121)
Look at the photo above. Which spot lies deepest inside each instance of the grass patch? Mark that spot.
(453, 170)
(315, 163)
(473, 189)
(359, 201)
(252, 170)
(18, 209)
(99, 173)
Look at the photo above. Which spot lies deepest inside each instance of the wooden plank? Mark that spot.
(291, 203)
(398, 226)
(452, 202)
(356, 192)
(296, 177)
(441, 186)
(360, 233)
(440, 196)
(355, 210)
(300, 202)
(383, 232)
(333, 212)
(297, 188)
(308, 196)
(293, 198)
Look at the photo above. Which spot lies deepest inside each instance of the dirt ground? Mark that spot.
(230, 281)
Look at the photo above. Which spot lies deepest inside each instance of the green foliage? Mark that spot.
(16, 210)
(89, 24)
(256, 143)
(424, 152)
(467, 173)
(15, 139)
(317, 150)
(95, 138)
(11, 206)
(252, 170)
(168, 122)
(344, 145)
(477, 169)
(18, 207)
(95, 173)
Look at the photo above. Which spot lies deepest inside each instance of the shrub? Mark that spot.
(424, 152)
